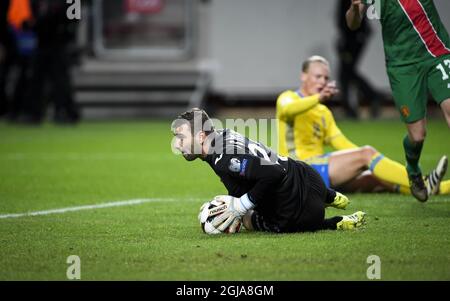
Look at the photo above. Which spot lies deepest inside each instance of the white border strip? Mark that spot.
(87, 207)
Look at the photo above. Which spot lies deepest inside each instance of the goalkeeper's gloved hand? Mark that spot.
(232, 215)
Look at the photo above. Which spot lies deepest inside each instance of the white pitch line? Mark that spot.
(88, 207)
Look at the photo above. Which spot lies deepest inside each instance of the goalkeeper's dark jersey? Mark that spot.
(276, 185)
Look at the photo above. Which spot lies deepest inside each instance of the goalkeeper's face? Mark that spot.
(187, 144)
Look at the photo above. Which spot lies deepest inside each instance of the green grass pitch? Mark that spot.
(52, 167)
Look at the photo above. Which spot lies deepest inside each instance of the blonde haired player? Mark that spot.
(306, 126)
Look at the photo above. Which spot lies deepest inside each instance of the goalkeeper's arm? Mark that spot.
(265, 176)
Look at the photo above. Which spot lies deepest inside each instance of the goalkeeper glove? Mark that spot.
(232, 215)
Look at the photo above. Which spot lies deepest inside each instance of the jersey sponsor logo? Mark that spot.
(404, 110)
(423, 26)
(235, 165)
(243, 167)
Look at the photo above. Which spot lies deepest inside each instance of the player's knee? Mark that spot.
(447, 117)
(366, 154)
(446, 109)
(418, 136)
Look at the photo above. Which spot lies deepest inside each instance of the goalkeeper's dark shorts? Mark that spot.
(312, 212)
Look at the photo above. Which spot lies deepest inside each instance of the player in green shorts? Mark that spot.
(417, 51)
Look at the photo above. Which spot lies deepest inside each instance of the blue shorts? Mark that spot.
(320, 164)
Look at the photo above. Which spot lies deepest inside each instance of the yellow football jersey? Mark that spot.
(305, 126)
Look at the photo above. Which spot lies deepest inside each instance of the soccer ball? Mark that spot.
(209, 212)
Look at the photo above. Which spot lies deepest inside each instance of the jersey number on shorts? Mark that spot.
(445, 76)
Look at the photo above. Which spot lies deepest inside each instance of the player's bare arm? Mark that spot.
(355, 14)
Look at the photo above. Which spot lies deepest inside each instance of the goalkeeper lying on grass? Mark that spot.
(266, 192)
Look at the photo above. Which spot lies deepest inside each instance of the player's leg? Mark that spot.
(332, 199)
(352, 221)
(313, 213)
(444, 188)
(344, 166)
(343, 222)
(439, 87)
(439, 83)
(445, 106)
(366, 182)
(434, 179)
(347, 165)
(412, 144)
(346, 173)
(409, 88)
(318, 195)
(313, 210)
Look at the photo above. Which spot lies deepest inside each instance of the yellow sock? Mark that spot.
(404, 189)
(444, 188)
(389, 170)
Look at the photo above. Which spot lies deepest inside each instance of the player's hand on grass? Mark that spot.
(328, 92)
(231, 217)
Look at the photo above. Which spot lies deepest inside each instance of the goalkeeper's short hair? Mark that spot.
(197, 119)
